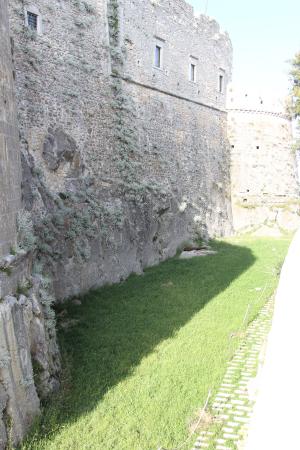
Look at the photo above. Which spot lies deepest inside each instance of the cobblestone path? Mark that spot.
(232, 407)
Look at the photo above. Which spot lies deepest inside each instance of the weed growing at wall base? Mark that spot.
(143, 354)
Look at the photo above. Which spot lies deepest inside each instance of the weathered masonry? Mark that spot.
(176, 68)
(122, 159)
(123, 149)
(118, 155)
(265, 190)
(10, 168)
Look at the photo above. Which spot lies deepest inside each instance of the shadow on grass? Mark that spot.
(119, 325)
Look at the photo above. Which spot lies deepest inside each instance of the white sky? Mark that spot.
(265, 35)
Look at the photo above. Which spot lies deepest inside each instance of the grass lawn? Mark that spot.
(145, 352)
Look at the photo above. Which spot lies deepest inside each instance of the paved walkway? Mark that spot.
(260, 409)
(233, 404)
(276, 419)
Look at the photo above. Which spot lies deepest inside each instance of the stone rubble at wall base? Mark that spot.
(29, 361)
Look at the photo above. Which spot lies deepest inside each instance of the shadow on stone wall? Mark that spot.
(120, 325)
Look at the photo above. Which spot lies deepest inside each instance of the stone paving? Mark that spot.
(233, 405)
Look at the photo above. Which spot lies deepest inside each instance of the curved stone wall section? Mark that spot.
(265, 192)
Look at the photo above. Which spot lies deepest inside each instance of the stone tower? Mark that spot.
(265, 191)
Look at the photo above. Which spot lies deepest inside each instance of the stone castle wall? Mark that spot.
(10, 173)
(29, 358)
(120, 163)
(184, 38)
(117, 174)
(181, 122)
(265, 191)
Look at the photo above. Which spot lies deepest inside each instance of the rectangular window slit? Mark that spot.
(221, 83)
(192, 72)
(157, 56)
(157, 61)
(32, 20)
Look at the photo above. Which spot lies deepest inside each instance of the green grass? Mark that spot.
(145, 352)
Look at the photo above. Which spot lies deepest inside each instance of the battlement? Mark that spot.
(183, 11)
(180, 7)
(261, 112)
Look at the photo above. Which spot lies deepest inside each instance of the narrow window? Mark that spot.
(257, 147)
(32, 20)
(157, 56)
(221, 83)
(192, 72)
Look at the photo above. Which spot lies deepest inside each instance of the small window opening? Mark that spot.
(192, 72)
(232, 146)
(32, 20)
(157, 56)
(221, 83)
(257, 147)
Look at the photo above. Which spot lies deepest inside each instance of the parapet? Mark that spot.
(255, 101)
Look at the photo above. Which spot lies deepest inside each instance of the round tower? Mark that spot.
(265, 190)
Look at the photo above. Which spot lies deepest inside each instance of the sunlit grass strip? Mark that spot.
(145, 353)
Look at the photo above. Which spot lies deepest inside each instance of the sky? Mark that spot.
(265, 35)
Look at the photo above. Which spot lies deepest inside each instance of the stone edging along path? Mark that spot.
(233, 405)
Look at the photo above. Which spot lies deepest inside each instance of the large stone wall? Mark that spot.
(121, 163)
(184, 38)
(10, 174)
(29, 358)
(265, 191)
(181, 122)
(117, 174)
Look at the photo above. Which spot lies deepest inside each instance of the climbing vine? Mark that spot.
(134, 184)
